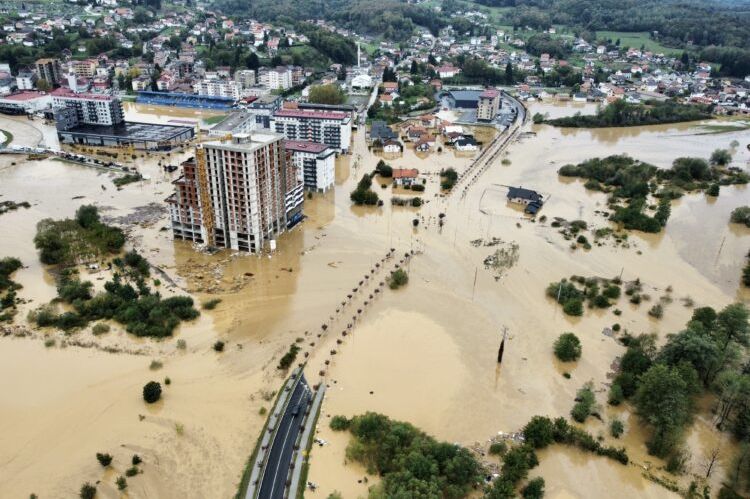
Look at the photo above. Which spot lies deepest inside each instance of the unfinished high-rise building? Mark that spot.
(239, 194)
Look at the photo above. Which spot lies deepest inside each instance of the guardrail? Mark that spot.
(303, 446)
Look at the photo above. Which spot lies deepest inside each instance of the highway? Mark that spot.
(273, 481)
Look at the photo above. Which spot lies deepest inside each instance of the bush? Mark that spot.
(573, 307)
(657, 311)
(136, 460)
(398, 278)
(288, 358)
(417, 187)
(210, 304)
(539, 432)
(616, 428)
(100, 328)
(534, 489)
(616, 395)
(741, 215)
(498, 448)
(340, 423)
(218, 346)
(87, 491)
(155, 365)
(151, 392)
(181, 344)
(132, 471)
(585, 402)
(104, 459)
(713, 190)
(567, 347)
(121, 482)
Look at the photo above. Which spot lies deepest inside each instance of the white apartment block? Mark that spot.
(89, 109)
(315, 163)
(332, 128)
(275, 78)
(218, 88)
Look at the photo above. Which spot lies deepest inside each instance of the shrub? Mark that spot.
(713, 190)
(151, 392)
(87, 491)
(136, 460)
(398, 278)
(155, 365)
(181, 344)
(585, 402)
(534, 489)
(539, 432)
(132, 471)
(340, 423)
(104, 459)
(573, 307)
(210, 304)
(741, 215)
(100, 328)
(121, 482)
(567, 347)
(657, 311)
(616, 428)
(288, 358)
(167, 380)
(498, 448)
(417, 187)
(218, 346)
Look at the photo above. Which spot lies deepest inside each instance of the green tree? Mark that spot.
(567, 347)
(721, 157)
(534, 489)
(151, 392)
(327, 94)
(87, 491)
(663, 401)
(104, 459)
(539, 432)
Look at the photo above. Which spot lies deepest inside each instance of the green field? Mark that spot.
(636, 40)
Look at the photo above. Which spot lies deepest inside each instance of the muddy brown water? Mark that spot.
(426, 352)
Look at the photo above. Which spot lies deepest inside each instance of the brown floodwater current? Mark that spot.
(425, 353)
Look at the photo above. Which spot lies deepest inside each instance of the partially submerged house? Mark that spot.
(532, 200)
(405, 176)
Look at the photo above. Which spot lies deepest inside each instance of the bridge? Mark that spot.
(276, 468)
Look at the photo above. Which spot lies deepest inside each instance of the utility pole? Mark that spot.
(501, 351)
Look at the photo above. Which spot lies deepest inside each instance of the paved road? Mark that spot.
(273, 481)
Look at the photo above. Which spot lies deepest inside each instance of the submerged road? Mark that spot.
(273, 481)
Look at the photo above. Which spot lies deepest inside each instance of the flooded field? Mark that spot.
(425, 353)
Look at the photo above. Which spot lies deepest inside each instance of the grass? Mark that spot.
(212, 120)
(8, 138)
(636, 40)
(715, 129)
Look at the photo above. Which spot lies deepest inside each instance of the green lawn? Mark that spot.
(636, 40)
(212, 120)
(8, 138)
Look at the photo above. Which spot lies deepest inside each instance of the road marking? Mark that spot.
(283, 445)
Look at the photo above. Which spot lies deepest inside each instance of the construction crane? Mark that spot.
(207, 210)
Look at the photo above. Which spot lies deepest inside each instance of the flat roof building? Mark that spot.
(489, 105)
(315, 163)
(239, 194)
(333, 128)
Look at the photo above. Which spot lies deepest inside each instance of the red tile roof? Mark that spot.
(405, 173)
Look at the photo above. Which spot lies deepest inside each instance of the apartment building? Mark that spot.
(73, 109)
(245, 78)
(218, 88)
(26, 80)
(488, 105)
(252, 194)
(332, 128)
(276, 78)
(315, 163)
(84, 69)
(49, 70)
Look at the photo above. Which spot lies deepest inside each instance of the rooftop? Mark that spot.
(69, 94)
(304, 146)
(23, 96)
(490, 93)
(300, 113)
(405, 173)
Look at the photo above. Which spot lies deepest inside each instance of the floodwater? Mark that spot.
(425, 353)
